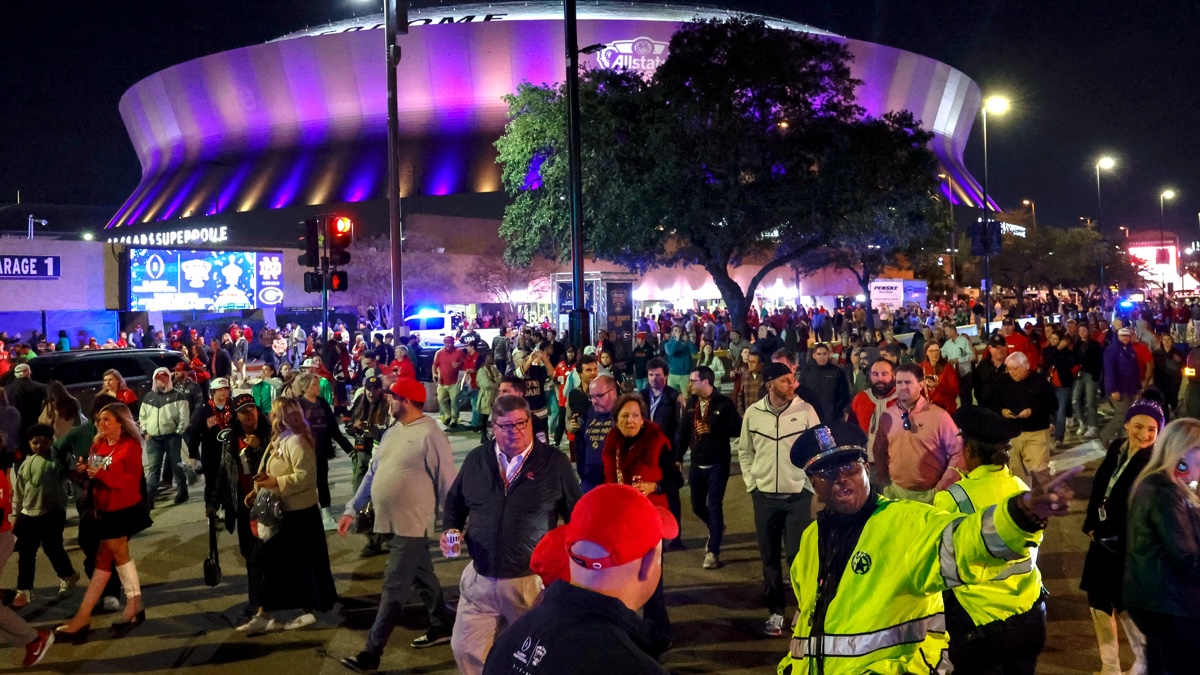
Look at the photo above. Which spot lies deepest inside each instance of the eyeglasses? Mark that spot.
(515, 426)
(832, 473)
(907, 422)
(597, 397)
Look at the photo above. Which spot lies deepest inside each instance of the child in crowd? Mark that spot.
(40, 502)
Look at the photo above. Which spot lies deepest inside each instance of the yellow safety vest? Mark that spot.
(1014, 590)
(886, 616)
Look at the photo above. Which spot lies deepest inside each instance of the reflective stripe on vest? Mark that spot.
(1023, 567)
(992, 539)
(961, 498)
(947, 561)
(864, 643)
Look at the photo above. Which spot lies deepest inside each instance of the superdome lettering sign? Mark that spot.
(197, 235)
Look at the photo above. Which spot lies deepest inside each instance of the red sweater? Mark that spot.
(643, 459)
(119, 485)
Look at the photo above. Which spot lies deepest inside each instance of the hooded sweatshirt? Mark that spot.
(163, 413)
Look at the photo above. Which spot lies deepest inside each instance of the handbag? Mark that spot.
(364, 520)
(212, 564)
(267, 511)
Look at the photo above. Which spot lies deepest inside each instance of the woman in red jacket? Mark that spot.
(941, 378)
(114, 468)
(636, 452)
(114, 385)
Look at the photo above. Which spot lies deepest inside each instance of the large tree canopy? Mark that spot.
(745, 146)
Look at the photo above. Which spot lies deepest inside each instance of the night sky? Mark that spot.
(1086, 79)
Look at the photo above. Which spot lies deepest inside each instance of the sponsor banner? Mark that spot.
(619, 305)
(566, 296)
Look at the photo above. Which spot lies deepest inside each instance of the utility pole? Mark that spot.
(395, 21)
(580, 322)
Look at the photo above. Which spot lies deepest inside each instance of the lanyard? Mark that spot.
(1112, 481)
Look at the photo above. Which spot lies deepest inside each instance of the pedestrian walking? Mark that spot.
(611, 553)
(114, 470)
(1028, 399)
(14, 629)
(1123, 377)
(917, 447)
(409, 476)
(163, 417)
(782, 504)
(295, 559)
(447, 362)
(511, 493)
(1106, 524)
(39, 503)
(204, 431)
(1162, 573)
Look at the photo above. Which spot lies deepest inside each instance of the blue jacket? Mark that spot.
(1121, 372)
(679, 356)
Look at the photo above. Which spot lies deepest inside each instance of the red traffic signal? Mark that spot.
(341, 233)
(338, 281)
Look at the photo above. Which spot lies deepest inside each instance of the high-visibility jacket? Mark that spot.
(886, 615)
(1015, 589)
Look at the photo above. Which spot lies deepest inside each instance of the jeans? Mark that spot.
(408, 565)
(1063, 395)
(44, 532)
(470, 396)
(1083, 399)
(708, 500)
(779, 520)
(160, 449)
(556, 411)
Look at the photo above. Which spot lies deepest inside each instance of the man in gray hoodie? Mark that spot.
(163, 417)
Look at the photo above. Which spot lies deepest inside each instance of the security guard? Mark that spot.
(871, 570)
(997, 627)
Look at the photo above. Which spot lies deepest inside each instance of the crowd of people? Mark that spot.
(853, 451)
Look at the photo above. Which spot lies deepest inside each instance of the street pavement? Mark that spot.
(716, 614)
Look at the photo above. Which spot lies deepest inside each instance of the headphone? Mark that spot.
(1181, 469)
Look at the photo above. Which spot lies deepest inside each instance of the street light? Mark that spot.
(1106, 163)
(1033, 208)
(997, 105)
(1163, 256)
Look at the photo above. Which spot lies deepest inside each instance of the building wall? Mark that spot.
(88, 280)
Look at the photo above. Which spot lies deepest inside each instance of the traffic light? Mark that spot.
(312, 282)
(341, 232)
(312, 244)
(339, 280)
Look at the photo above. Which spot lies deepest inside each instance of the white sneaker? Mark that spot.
(328, 521)
(1091, 433)
(21, 599)
(111, 603)
(257, 624)
(711, 561)
(67, 586)
(302, 621)
(774, 625)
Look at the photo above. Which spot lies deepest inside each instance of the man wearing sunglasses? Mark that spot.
(870, 572)
(917, 449)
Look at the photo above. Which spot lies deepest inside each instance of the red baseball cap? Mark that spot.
(549, 560)
(622, 521)
(408, 388)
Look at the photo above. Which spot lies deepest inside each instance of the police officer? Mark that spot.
(996, 627)
(870, 571)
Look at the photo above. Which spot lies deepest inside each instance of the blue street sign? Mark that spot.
(30, 267)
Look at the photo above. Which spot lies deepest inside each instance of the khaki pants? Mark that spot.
(485, 607)
(447, 395)
(893, 491)
(1030, 454)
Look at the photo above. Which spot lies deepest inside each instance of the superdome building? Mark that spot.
(238, 146)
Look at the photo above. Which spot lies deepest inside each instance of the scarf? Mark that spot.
(881, 405)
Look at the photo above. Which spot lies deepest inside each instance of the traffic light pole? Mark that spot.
(579, 321)
(324, 285)
(395, 20)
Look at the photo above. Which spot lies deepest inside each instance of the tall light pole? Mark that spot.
(997, 105)
(1033, 209)
(395, 21)
(579, 322)
(1106, 163)
(1162, 240)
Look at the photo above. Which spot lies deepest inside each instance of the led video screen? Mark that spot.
(170, 280)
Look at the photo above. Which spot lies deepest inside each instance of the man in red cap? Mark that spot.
(409, 475)
(590, 624)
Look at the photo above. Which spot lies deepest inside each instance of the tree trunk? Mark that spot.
(735, 299)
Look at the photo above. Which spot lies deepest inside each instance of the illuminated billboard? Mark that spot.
(169, 280)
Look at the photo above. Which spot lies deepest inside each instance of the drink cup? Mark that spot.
(454, 544)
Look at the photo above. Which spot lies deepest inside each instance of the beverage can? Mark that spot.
(454, 544)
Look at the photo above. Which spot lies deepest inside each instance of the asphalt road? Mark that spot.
(716, 614)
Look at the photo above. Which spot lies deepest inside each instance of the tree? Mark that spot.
(370, 276)
(885, 181)
(505, 282)
(718, 160)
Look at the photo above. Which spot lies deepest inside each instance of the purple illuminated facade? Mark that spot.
(301, 121)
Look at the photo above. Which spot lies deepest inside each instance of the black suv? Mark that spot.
(82, 372)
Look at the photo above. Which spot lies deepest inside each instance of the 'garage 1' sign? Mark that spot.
(30, 267)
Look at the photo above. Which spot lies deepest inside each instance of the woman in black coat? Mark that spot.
(1105, 525)
(1162, 567)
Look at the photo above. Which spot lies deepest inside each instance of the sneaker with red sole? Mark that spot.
(34, 651)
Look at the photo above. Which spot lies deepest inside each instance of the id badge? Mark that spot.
(1103, 512)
